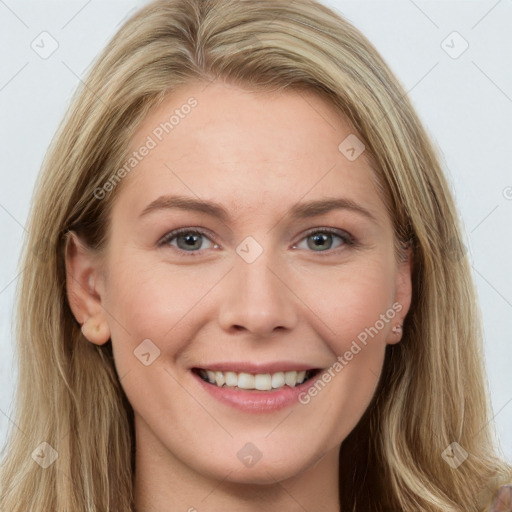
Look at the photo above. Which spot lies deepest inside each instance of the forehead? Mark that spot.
(253, 151)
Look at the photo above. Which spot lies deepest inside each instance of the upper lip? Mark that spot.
(252, 367)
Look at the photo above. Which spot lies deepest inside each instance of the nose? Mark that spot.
(257, 298)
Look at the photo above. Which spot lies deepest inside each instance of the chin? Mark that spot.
(265, 471)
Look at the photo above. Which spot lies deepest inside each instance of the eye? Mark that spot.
(186, 239)
(192, 240)
(321, 240)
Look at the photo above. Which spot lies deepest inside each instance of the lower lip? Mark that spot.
(257, 401)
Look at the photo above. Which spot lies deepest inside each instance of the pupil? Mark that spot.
(319, 240)
(190, 240)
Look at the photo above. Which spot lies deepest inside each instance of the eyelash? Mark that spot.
(347, 239)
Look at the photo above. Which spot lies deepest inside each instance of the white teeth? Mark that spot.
(278, 380)
(290, 378)
(231, 379)
(260, 381)
(263, 382)
(219, 378)
(245, 381)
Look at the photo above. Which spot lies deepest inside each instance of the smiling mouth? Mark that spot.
(256, 382)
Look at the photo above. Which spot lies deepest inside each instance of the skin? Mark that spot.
(257, 154)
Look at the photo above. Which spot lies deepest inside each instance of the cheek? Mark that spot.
(152, 300)
(353, 313)
(351, 301)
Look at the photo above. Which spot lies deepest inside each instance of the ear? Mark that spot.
(403, 293)
(85, 288)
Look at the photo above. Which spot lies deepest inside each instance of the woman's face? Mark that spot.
(269, 275)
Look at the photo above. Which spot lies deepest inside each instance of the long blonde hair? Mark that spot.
(433, 389)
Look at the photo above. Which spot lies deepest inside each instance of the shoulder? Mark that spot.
(502, 499)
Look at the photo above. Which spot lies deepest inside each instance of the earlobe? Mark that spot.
(403, 296)
(82, 279)
(96, 332)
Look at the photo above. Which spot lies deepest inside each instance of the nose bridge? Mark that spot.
(256, 297)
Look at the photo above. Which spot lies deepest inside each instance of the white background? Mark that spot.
(465, 103)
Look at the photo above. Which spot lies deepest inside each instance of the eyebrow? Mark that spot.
(299, 211)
